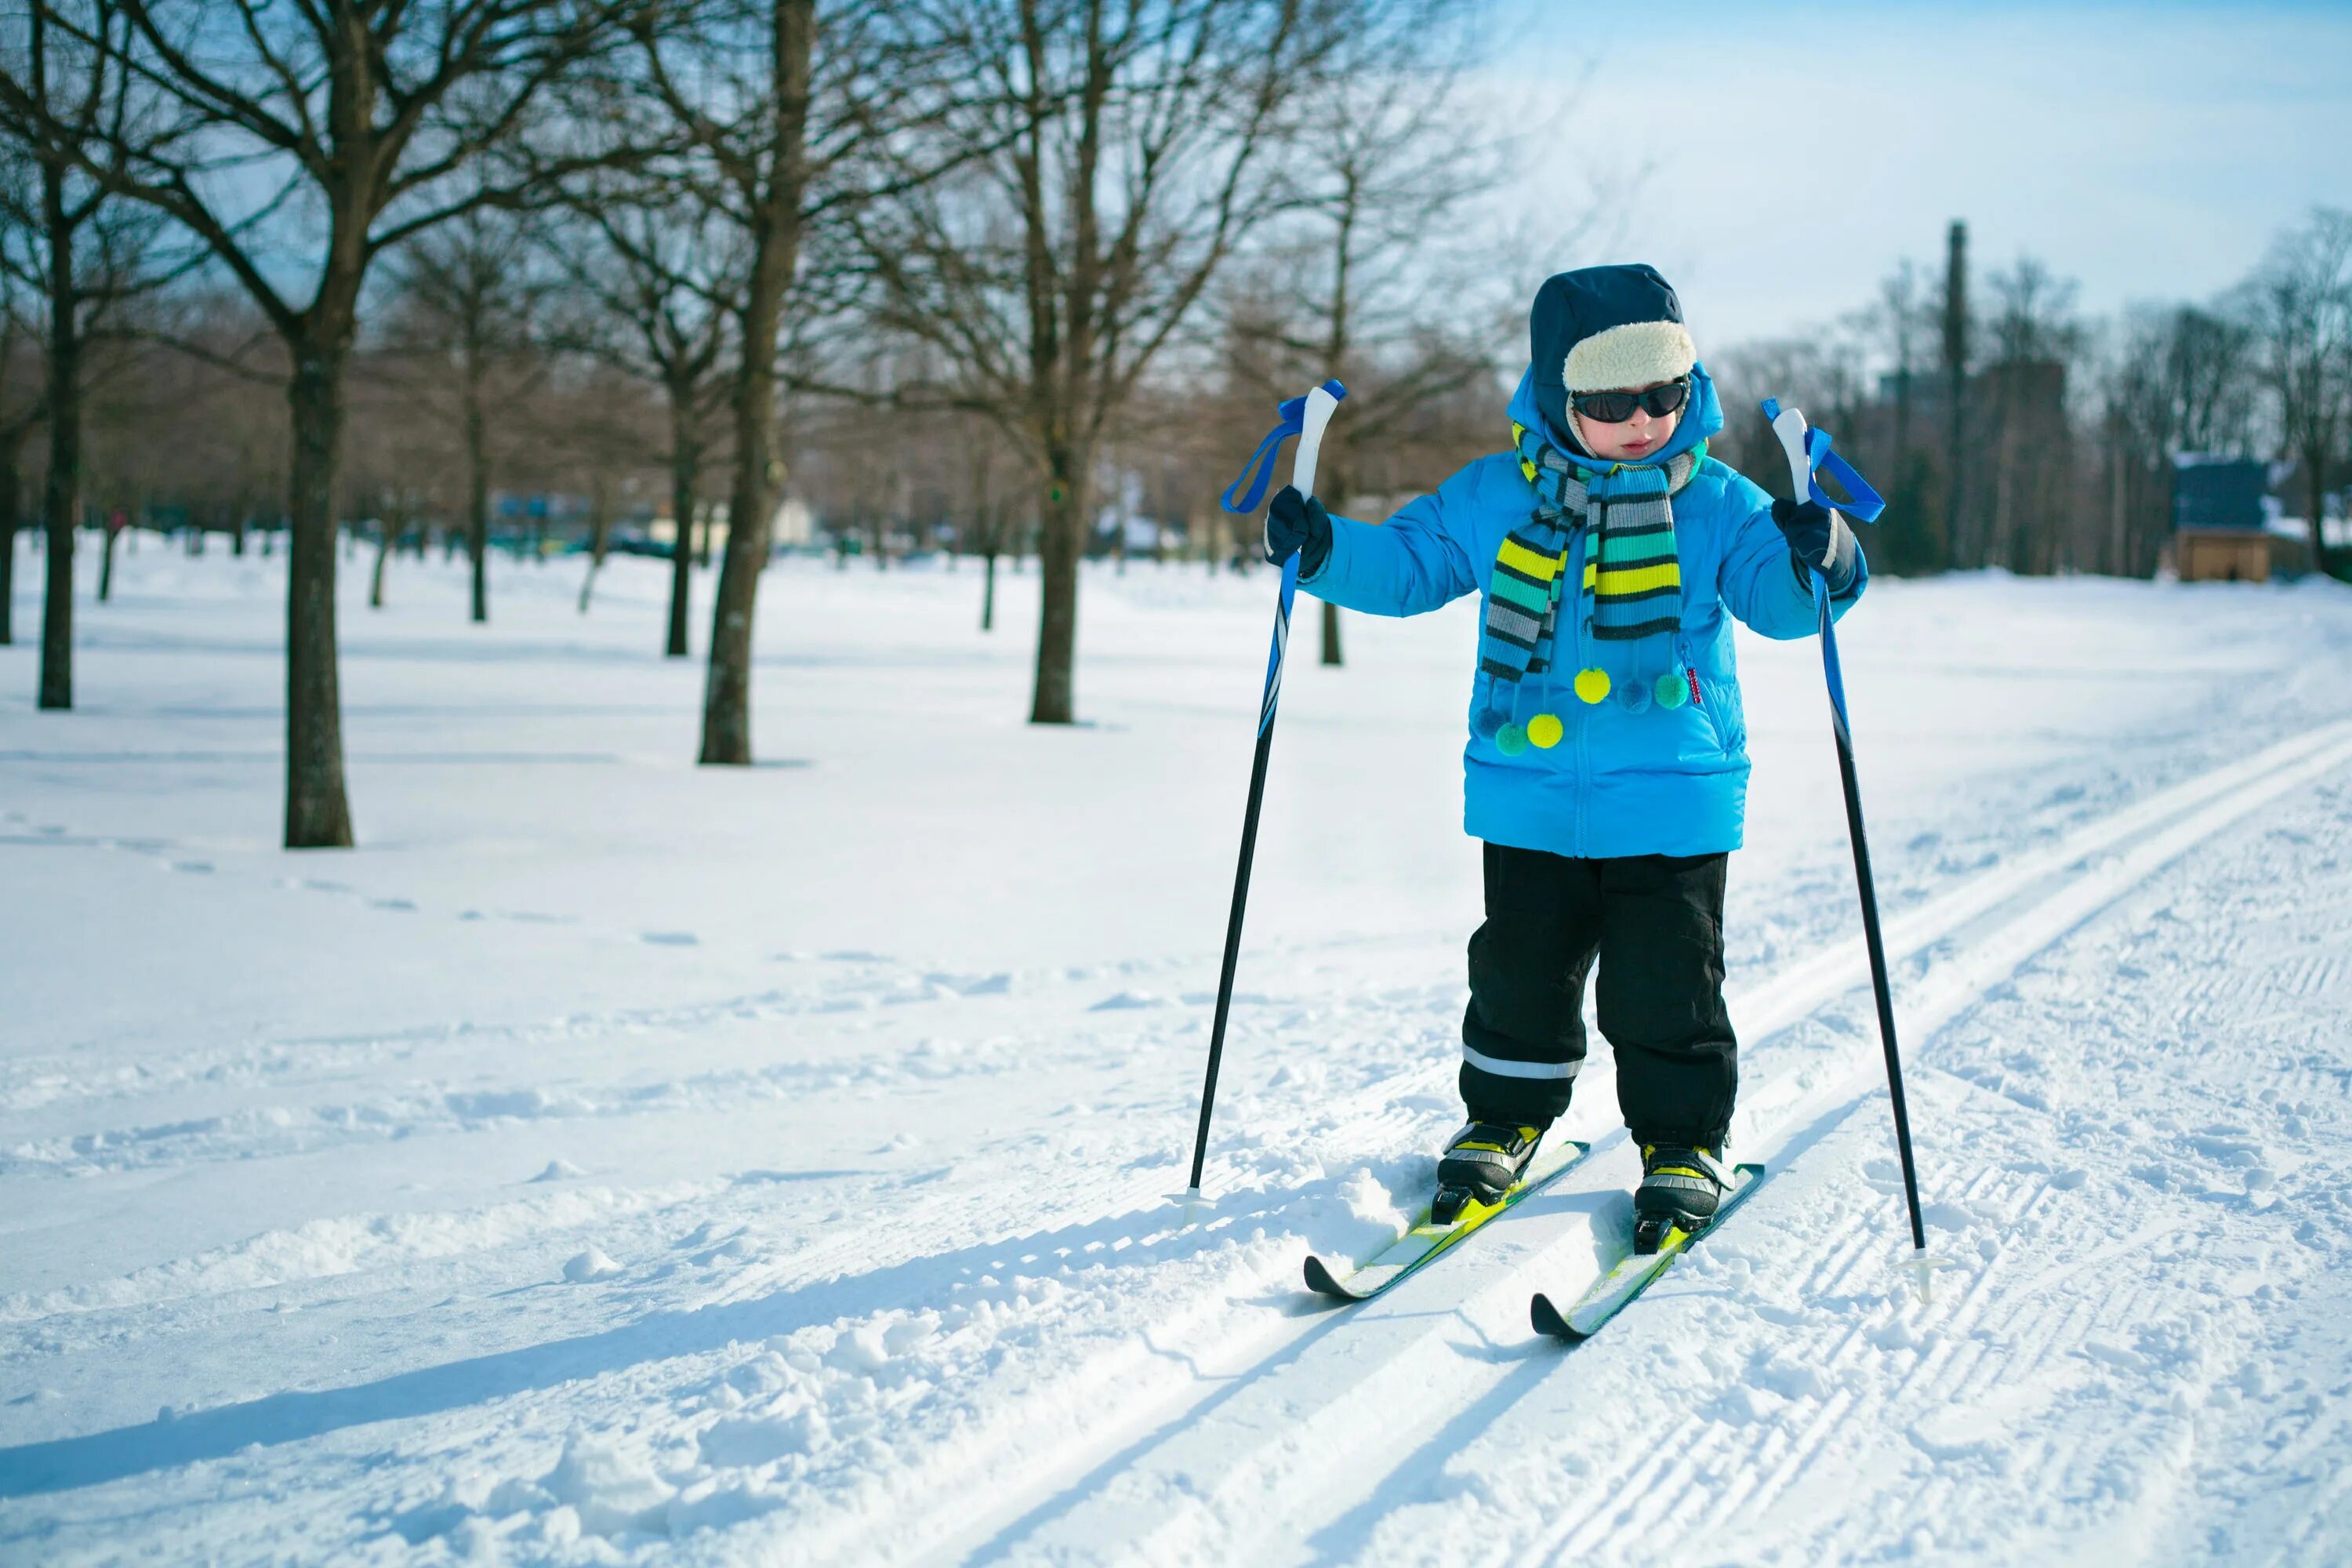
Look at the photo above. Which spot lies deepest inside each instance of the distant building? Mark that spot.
(2221, 512)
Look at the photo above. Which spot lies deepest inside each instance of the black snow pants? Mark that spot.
(1655, 924)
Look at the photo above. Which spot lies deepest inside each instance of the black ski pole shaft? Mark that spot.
(1241, 880)
(1870, 937)
(1305, 418)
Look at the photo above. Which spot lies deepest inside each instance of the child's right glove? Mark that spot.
(1297, 523)
(1819, 541)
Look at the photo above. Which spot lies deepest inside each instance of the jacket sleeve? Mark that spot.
(1761, 582)
(1416, 562)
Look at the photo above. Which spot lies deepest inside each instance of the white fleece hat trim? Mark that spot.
(1639, 353)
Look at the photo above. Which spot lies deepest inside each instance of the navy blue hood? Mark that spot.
(1572, 307)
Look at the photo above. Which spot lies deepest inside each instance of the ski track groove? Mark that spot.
(2104, 863)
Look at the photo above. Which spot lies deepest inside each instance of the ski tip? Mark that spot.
(1548, 1321)
(1319, 1279)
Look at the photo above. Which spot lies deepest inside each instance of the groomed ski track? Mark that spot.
(1273, 1448)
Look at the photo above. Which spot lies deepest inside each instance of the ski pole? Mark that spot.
(1304, 417)
(1809, 451)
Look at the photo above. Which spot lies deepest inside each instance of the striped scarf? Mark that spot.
(1631, 573)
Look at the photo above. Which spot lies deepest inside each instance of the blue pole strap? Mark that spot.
(1257, 474)
(1867, 503)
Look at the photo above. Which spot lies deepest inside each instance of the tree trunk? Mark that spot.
(726, 694)
(2314, 485)
(317, 813)
(685, 470)
(987, 591)
(776, 222)
(61, 491)
(106, 561)
(9, 520)
(478, 482)
(385, 536)
(1330, 481)
(599, 530)
(1060, 546)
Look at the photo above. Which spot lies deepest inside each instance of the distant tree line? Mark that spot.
(283, 269)
(2008, 429)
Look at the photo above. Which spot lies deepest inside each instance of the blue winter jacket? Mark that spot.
(1661, 781)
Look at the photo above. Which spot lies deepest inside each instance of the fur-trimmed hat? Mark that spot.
(1602, 328)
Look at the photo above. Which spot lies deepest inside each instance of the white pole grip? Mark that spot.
(1790, 426)
(1320, 405)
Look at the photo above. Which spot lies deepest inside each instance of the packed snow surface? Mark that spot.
(617, 1162)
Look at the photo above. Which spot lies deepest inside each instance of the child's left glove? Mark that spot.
(1297, 523)
(1819, 540)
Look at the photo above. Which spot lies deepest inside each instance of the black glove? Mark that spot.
(1297, 523)
(1819, 540)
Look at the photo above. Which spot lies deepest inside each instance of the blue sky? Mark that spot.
(2148, 151)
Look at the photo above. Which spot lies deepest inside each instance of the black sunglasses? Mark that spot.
(1616, 408)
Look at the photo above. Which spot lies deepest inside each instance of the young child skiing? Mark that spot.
(1607, 766)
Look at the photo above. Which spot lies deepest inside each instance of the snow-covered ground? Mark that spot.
(616, 1161)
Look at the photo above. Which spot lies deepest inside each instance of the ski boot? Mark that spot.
(1681, 1187)
(1485, 1161)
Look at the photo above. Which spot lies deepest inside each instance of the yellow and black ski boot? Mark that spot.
(1681, 1187)
(1485, 1161)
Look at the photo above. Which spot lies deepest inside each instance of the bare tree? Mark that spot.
(1128, 156)
(1361, 281)
(21, 408)
(2032, 340)
(2302, 306)
(656, 291)
(1901, 325)
(789, 109)
(468, 297)
(367, 124)
(602, 422)
(2181, 379)
(81, 252)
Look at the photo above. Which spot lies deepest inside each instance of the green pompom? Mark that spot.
(1672, 690)
(1510, 740)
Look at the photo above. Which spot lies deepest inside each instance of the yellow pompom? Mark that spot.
(1544, 731)
(1592, 685)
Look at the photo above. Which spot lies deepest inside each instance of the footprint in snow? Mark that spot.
(669, 937)
(195, 867)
